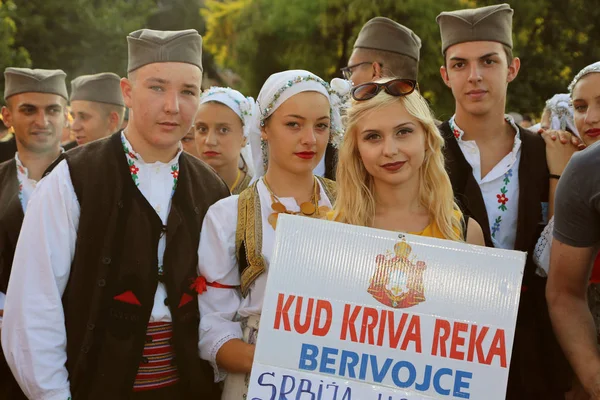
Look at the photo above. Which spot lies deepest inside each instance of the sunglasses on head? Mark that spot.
(395, 87)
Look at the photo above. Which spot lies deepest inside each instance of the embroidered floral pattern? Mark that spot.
(20, 190)
(507, 177)
(130, 153)
(132, 157)
(21, 174)
(496, 226)
(175, 174)
(457, 133)
(133, 169)
(503, 201)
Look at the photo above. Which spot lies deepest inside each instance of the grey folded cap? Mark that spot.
(489, 24)
(25, 80)
(101, 88)
(147, 46)
(382, 33)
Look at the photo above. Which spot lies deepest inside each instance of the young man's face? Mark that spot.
(362, 69)
(478, 74)
(164, 98)
(90, 121)
(37, 119)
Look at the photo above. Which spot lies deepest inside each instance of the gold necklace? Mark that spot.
(237, 180)
(309, 209)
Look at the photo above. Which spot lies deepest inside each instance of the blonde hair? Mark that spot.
(355, 197)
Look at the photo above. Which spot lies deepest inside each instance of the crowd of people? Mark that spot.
(138, 214)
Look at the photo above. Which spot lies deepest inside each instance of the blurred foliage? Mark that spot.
(255, 38)
(252, 39)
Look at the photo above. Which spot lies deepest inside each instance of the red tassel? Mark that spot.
(199, 285)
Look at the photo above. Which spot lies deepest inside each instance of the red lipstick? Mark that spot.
(306, 155)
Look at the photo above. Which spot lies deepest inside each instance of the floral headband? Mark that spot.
(244, 107)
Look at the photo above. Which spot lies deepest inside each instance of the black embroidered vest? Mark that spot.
(116, 253)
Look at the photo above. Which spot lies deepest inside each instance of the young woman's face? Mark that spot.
(219, 135)
(298, 132)
(586, 107)
(391, 144)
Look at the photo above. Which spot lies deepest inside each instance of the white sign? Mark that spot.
(359, 313)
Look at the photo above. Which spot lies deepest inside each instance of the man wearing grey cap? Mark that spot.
(105, 305)
(384, 48)
(36, 110)
(501, 175)
(97, 106)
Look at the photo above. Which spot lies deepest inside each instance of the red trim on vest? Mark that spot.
(186, 298)
(157, 369)
(128, 297)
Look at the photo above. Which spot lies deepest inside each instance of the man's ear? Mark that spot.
(113, 121)
(6, 117)
(377, 71)
(126, 90)
(513, 69)
(444, 74)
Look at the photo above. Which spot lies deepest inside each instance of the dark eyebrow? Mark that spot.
(24, 105)
(481, 58)
(488, 55)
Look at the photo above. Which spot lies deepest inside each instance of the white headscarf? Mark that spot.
(244, 107)
(280, 87)
(561, 113)
(595, 67)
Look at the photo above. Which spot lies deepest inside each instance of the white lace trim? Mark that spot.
(220, 373)
(541, 253)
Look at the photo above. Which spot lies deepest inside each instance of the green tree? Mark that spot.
(553, 44)
(81, 36)
(185, 14)
(11, 54)
(256, 38)
(259, 37)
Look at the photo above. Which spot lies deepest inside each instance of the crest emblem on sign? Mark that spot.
(398, 278)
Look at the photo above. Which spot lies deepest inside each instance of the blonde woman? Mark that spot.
(390, 172)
